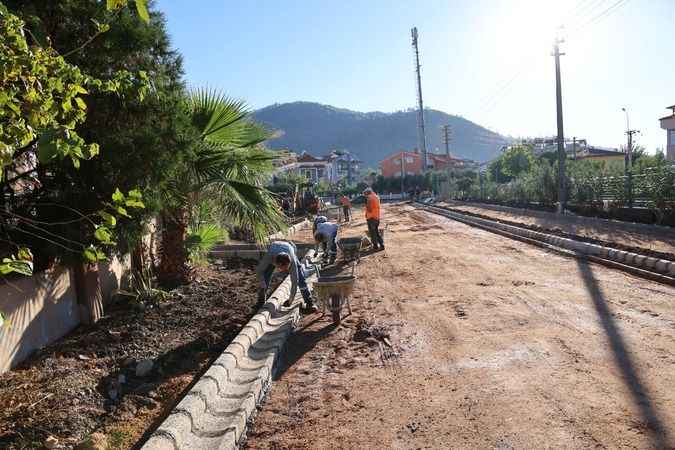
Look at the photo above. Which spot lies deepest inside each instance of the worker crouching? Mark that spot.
(282, 256)
(326, 236)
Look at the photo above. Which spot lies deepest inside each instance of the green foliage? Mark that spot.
(201, 240)
(143, 289)
(141, 7)
(140, 128)
(21, 263)
(42, 97)
(230, 164)
(659, 184)
(516, 160)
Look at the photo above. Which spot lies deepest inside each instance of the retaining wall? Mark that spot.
(43, 308)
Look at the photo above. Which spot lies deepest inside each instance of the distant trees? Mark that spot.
(517, 176)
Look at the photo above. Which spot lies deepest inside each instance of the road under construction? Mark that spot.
(461, 337)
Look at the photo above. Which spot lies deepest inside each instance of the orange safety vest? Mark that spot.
(373, 207)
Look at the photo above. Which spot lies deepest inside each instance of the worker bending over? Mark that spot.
(317, 221)
(281, 256)
(373, 218)
(326, 235)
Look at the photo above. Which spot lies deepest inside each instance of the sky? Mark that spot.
(486, 60)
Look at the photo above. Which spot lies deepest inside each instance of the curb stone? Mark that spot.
(641, 262)
(217, 411)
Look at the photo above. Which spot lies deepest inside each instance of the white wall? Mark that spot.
(43, 308)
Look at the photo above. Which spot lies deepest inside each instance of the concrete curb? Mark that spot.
(249, 251)
(633, 226)
(291, 230)
(642, 262)
(217, 411)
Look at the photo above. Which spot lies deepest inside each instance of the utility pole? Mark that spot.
(574, 147)
(446, 141)
(402, 174)
(561, 134)
(420, 105)
(628, 161)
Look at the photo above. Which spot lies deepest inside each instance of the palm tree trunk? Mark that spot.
(173, 268)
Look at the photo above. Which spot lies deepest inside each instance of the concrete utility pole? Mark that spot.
(561, 135)
(628, 160)
(574, 147)
(402, 174)
(446, 141)
(420, 105)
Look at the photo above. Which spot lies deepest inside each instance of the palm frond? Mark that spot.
(222, 119)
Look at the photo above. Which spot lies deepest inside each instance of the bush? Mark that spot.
(200, 241)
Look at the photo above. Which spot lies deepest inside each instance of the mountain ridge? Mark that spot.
(318, 129)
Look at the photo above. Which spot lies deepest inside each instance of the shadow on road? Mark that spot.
(622, 358)
(302, 342)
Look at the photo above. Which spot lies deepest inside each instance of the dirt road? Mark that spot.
(661, 239)
(464, 339)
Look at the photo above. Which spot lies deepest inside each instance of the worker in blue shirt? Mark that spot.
(326, 235)
(281, 256)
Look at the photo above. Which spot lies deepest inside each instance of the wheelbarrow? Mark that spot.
(333, 293)
(351, 248)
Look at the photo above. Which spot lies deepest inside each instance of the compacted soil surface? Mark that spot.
(91, 388)
(461, 338)
(654, 241)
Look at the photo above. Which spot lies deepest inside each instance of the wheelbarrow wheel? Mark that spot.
(336, 309)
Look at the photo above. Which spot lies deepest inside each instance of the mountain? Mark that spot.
(317, 129)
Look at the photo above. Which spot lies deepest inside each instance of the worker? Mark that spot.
(373, 218)
(346, 207)
(317, 221)
(281, 256)
(326, 235)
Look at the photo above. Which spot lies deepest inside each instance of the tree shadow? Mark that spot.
(622, 359)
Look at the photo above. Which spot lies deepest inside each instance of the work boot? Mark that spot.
(309, 308)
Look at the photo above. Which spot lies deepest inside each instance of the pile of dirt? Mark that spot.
(118, 377)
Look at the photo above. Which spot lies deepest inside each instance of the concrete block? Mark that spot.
(661, 266)
(216, 411)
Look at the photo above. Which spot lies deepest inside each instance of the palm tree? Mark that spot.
(228, 164)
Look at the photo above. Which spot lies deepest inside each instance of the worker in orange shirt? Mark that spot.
(373, 218)
(346, 207)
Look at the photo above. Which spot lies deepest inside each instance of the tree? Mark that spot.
(41, 105)
(142, 141)
(227, 163)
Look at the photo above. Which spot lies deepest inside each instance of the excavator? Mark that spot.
(305, 200)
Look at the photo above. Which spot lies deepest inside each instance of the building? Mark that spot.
(600, 154)
(445, 162)
(315, 169)
(345, 167)
(574, 148)
(310, 167)
(668, 124)
(409, 163)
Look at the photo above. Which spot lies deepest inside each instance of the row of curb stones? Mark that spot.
(643, 262)
(217, 411)
(253, 251)
(634, 226)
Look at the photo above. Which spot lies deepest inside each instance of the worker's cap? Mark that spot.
(368, 191)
